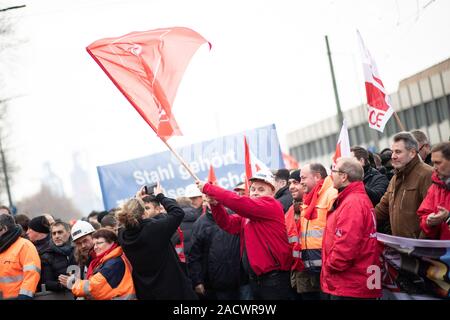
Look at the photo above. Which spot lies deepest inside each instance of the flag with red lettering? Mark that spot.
(290, 162)
(147, 68)
(343, 144)
(212, 175)
(252, 165)
(380, 107)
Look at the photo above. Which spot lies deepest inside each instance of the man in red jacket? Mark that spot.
(434, 210)
(259, 219)
(350, 255)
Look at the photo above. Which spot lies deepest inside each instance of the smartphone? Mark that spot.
(149, 189)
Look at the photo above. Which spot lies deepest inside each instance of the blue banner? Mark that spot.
(120, 181)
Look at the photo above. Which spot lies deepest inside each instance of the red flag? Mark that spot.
(212, 175)
(147, 68)
(343, 144)
(252, 165)
(290, 162)
(380, 109)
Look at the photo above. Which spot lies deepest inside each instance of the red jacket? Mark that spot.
(438, 195)
(293, 231)
(261, 225)
(350, 246)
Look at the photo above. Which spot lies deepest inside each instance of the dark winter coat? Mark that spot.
(157, 274)
(55, 261)
(375, 184)
(214, 259)
(284, 197)
(190, 216)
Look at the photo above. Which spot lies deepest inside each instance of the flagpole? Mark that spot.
(400, 124)
(181, 160)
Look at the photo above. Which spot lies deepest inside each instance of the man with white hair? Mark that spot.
(259, 219)
(349, 243)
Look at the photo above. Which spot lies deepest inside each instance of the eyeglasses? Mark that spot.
(99, 243)
(337, 171)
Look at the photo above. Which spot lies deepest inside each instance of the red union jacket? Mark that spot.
(350, 246)
(261, 225)
(438, 195)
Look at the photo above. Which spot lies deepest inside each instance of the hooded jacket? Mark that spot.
(350, 246)
(157, 273)
(438, 195)
(20, 266)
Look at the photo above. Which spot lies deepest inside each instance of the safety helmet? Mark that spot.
(264, 176)
(80, 229)
(192, 191)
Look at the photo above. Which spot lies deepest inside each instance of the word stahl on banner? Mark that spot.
(120, 181)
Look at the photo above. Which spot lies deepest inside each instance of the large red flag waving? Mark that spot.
(147, 68)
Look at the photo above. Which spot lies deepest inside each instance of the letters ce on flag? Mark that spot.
(380, 108)
(147, 68)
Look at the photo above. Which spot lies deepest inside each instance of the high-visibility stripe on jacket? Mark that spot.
(179, 247)
(111, 280)
(293, 228)
(312, 230)
(20, 268)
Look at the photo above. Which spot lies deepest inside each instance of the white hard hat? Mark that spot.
(265, 176)
(192, 191)
(80, 229)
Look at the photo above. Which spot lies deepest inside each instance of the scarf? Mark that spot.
(310, 199)
(66, 249)
(97, 260)
(7, 239)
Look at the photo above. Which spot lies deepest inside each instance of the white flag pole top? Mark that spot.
(343, 144)
(380, 107)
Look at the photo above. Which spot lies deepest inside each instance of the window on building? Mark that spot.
(421, 117)
(431, 111)
(443, 109)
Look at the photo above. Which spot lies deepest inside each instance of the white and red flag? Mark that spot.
(380, 107)
(252, 165)
(343, 144)
(147, 68)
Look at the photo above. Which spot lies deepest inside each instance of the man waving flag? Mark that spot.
(380, 108)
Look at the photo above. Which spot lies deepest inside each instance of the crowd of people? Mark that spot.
(305, 234)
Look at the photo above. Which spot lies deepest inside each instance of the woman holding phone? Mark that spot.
(145, 238)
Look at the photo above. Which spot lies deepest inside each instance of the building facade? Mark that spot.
(422, 102)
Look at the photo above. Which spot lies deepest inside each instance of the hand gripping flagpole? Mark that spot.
(182, 161)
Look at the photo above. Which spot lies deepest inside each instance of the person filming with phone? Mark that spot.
(145, 238)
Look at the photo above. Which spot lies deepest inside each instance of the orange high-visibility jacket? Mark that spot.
(111, 280)
(293, 231)
(20, 269)
(312, 230)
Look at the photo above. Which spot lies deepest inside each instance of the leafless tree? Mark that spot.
(46, 202)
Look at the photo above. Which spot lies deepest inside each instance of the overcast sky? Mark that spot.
(268, 64)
